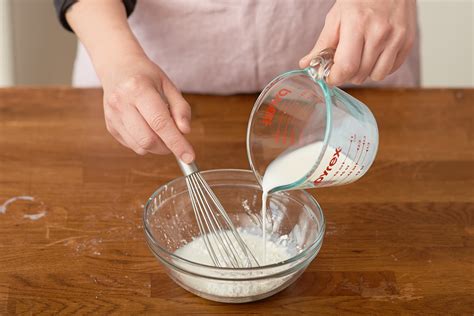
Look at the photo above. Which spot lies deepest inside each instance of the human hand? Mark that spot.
(144, 110)
(372, 38)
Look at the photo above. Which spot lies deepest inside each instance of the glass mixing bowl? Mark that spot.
(294, 217)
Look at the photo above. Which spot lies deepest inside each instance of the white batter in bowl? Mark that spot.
(294, 234)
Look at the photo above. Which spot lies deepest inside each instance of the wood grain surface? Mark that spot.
(399, 241)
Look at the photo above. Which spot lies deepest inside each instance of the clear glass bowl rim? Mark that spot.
(295, 258)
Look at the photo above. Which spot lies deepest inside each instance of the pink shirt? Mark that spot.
(230, 46)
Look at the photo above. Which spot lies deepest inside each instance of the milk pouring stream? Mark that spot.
(295, 165)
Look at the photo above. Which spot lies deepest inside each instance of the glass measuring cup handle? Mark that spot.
(320, 66)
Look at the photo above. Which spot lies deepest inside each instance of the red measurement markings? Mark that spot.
(281, 133)
(288, 122)
(297, 112)
(292, 136)
(352, 139)
(287, 111)
(328, 169)
(270, 111)
(362, 163)
(358, 156)
(304, 113)
(276, 136)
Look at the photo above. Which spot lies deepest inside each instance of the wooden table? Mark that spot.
(399, 241)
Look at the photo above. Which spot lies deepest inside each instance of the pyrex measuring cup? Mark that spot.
(299, 109)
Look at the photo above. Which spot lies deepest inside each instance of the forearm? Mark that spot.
(103, 29)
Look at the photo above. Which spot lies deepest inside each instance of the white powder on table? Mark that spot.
(4, 206)
(35, 217)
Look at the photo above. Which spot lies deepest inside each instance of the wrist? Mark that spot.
(116, 57)
(102, 28)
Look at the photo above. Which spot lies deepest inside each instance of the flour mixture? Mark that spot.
(277, 251)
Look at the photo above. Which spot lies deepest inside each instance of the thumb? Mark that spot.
(328, 38)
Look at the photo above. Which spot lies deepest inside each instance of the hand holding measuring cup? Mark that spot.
(304, 134)
(373, 38)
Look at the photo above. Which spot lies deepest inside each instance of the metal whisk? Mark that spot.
(224, 244)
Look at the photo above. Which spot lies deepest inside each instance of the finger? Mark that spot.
(375, 41)
(328, 38)
(126, 141)
(127, 138)
(179, 107)
(348, 53)
(402, 55)
(114, 124)
(410, 37)
(387, 59)
(136, 132)
(154, 110)
(384, 64)
(116, 135)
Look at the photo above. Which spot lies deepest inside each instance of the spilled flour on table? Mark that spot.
(4, 206)
(35, 217)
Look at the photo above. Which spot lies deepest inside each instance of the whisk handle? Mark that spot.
(187, 169)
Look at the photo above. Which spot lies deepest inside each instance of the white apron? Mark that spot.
(230, 46)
